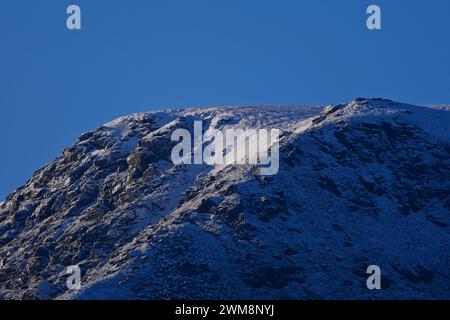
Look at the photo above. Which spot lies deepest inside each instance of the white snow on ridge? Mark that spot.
(119, 126)
(358, 181)
(434, 120)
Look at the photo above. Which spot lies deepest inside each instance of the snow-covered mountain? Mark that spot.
(363, 183)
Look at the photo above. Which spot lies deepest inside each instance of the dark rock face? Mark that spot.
(359, 184)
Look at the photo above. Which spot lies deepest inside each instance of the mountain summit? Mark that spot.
(359, 184)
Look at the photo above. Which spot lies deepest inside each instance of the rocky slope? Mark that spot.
(362, 183)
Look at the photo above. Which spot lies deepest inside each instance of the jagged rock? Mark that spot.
(361, 183)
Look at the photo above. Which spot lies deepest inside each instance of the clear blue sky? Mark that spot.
(139, 55)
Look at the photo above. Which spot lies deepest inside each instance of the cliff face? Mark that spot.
(362, 183)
